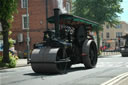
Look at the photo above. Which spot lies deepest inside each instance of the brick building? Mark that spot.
(37, 21)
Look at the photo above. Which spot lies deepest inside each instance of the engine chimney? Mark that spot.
(56, 16)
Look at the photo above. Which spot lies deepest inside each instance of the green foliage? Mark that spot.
(12, 62)
(100, 11)
(4, 64)
(11, 42)
(7, 9)
(1, 58)
(10, 32)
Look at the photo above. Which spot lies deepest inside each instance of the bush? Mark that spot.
(13, 59)
(11, 42)
(12, 63)
(1, 58)
(99, 53)
(4, 64)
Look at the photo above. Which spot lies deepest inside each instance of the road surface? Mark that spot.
(107, 67)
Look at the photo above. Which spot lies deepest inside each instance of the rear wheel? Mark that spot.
(90, 60)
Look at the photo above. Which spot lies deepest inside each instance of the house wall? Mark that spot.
(113, 40)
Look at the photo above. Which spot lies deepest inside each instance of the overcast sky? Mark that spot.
(124, 15)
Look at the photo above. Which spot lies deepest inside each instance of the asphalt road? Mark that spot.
(108, 67)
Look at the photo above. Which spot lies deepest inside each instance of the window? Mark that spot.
(24, 21)
(107, 26)
(68, 7)
(118, 34)
(107, 35)
(102, 35)
(23, 3)
(118, 26)
(121, 43)
(108, 45)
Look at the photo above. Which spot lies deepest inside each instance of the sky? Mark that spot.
(124, 15)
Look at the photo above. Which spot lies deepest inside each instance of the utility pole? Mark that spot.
(46, 2)
(28, 37)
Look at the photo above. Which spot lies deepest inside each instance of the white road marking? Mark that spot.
(116, 80)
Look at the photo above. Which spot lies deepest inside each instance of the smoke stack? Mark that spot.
(56, 16)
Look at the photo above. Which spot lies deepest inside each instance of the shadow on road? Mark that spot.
(33, 74)
(42, 74)
(74, 69)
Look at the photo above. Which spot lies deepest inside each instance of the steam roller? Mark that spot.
(68, 44)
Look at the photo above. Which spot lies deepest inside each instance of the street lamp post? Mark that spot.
(28, 37)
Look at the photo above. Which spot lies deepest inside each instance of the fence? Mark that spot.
(109, 53)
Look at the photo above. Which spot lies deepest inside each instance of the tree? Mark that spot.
(7, 9)
(100, 11)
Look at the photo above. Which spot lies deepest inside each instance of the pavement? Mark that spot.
(20, 63)
(121, 79)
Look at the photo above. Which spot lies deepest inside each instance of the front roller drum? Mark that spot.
(48, 60)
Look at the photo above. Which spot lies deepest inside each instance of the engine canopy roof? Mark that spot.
(72, 20)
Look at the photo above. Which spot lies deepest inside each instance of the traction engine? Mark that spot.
(69, 43)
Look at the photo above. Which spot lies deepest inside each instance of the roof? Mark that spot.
(72, 20)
